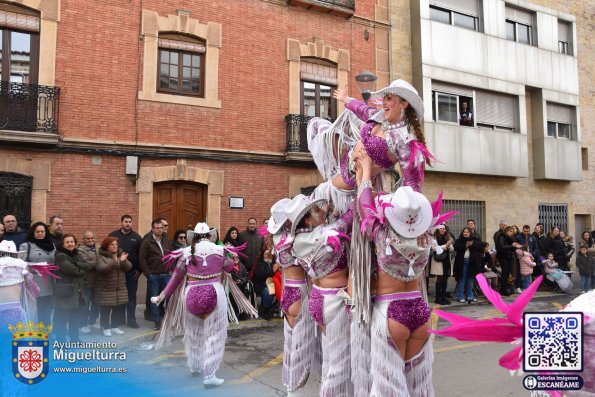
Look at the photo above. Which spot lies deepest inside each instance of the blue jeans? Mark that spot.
(156, 283)
(526, 281)
(586, 283)
(267, 299)
(132, 287)
(465, 284)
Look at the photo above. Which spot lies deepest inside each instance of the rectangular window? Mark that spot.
(462, 13)
(519, 25)
(181, 65)
(560, 119)
(496, 111)
(553, 215)
(452, 103)
(564, 37)
(467, 209)
(317, 100)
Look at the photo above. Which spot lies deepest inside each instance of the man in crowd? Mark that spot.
(56, 224)
(465, 115)
(130, 242)
(503, 224)
(147, 313)
(12, 232)
(254, 244)
(152, 250)
(471, 225)
(89, 314)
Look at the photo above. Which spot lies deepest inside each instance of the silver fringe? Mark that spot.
(418, 371)
(360, 271)
(298, 347)
(360, 359)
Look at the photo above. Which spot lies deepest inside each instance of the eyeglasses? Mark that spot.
(40, 232)
(183, 237)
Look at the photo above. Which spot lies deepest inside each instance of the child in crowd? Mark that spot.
(586, 267)
(527, 263)
(554, 274)
(487, 267)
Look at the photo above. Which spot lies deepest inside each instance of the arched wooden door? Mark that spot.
(183, 204)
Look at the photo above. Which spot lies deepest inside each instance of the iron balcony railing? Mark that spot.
(296, 126)
(29, 107)
(342, 3)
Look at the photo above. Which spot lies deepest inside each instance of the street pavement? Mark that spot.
(253, 358)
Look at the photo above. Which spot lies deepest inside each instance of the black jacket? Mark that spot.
(129, 243)
(475, 254)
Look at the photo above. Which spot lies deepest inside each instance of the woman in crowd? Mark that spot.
(39, 248)
(586, 268)
(110, 285)
(469, 250)
(506, 246)
(180, 240)
(69, 289)
(231, 237)
(391, 135)
(587, 240)
(488, 268)
(440, 265)
(265, 267)
(556, 246)
(202, 300)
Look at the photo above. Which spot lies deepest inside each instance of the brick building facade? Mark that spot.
(242, 135)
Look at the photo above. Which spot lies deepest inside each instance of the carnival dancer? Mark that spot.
(200, 305)
(320, 250)
(299, 337)
(392, 134)
(401, 353)
(17, 304)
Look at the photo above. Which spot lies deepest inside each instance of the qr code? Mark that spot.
(553, 341)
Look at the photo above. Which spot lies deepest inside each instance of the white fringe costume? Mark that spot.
(204, 339)
(299, 345)
(336, 357)
(391, 375)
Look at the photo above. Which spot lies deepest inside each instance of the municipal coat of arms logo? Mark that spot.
(30, 351)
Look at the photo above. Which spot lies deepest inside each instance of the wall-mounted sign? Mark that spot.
(236, 202)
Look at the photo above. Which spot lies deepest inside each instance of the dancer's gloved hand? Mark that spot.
(157, 299)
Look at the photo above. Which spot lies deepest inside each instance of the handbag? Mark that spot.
(441, 256)
(270, 285)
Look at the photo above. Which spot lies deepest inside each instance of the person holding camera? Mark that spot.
(440, 265)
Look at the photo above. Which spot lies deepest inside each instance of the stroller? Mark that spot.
(561, 281)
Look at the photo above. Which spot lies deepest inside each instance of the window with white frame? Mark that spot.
(318, 81)
(462, 13)
(519, 25)
(453, 104)
(560, 119)
(473, 108)
(564, 37)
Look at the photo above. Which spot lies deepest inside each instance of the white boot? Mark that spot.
(117, 331)
(213, 381)
(107, 332)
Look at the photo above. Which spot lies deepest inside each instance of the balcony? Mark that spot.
(32, 110)
(297, 139)
(342, 8)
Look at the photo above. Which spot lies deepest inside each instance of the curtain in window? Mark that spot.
(560, 113)
(495, 109)
(182, 45)
(469, 7)
(318, 73)
(564, 31)
(12, 20)
(452, 89)
(520, 16)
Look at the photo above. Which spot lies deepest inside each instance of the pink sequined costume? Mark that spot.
(405, 260)
(201, 292)
(322, 252)
(400, 141)
(299, 341)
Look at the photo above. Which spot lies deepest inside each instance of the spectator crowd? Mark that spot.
(98, 281)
